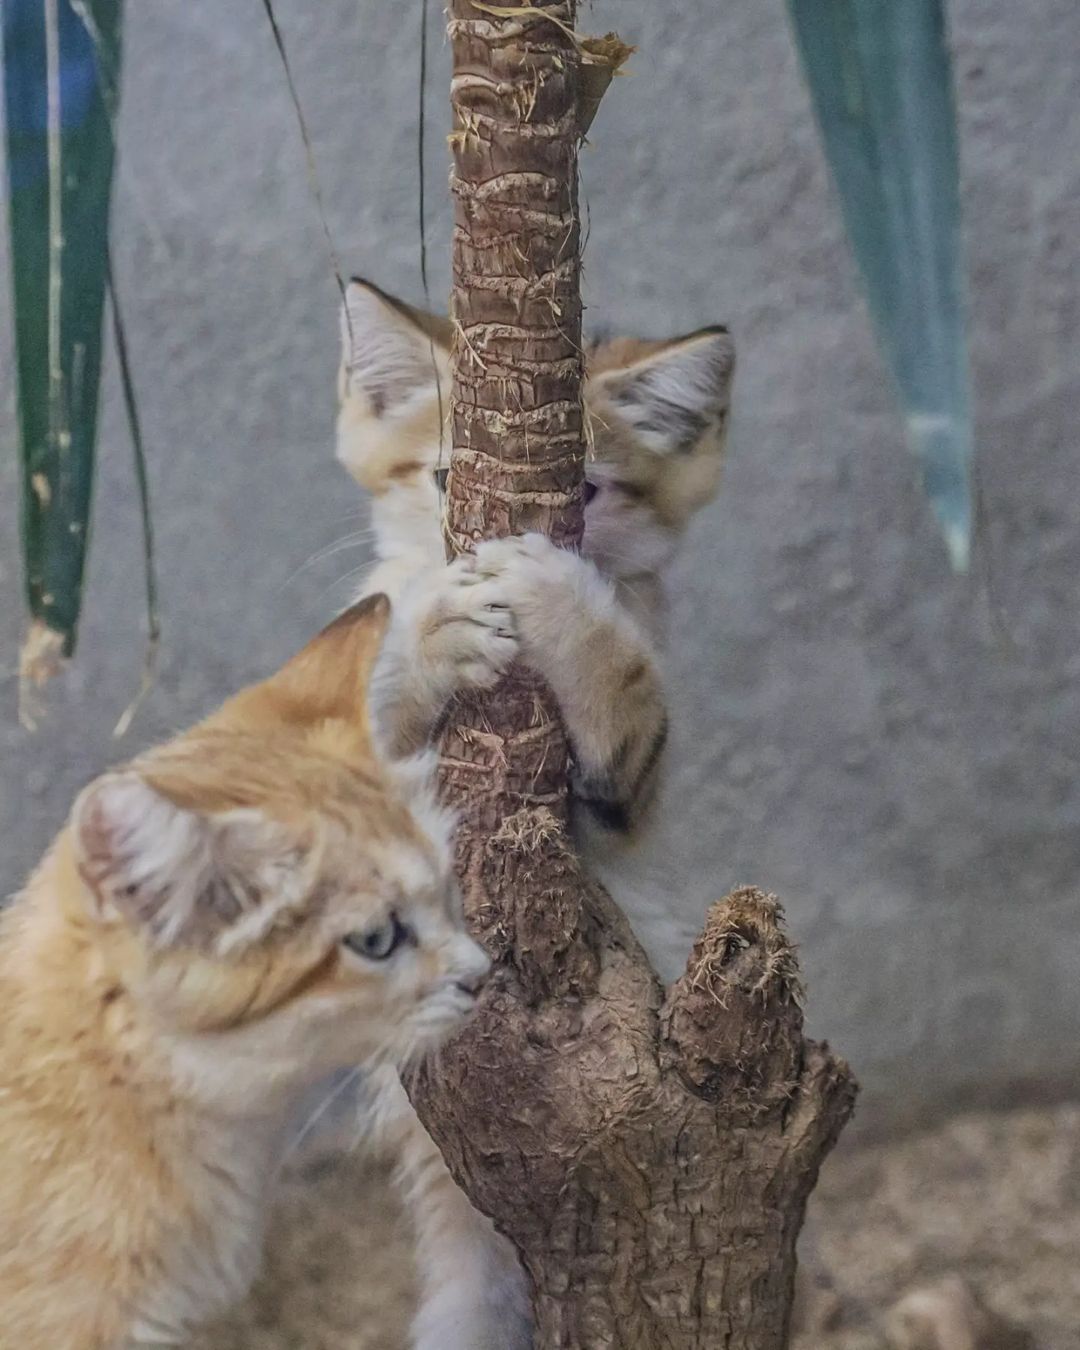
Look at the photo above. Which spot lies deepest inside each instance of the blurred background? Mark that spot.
(891, 748)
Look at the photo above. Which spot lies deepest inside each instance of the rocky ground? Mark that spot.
(975, 1221)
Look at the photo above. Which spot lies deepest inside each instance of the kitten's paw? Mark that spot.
(469, 632)
(547, 588)
(537, 573)
(527, 558)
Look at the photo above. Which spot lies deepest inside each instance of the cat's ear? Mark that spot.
(677, 393)
(389, 350)
(327, 680)
(177, 876)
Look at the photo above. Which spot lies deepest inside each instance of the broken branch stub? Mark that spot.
(732, 1024)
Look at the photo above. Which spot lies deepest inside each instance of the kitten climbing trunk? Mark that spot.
(649, 1153)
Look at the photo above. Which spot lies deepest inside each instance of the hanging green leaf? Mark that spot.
(61, 61)
(881, 82)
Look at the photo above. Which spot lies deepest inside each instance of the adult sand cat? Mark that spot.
(658, 416)
(229, 918)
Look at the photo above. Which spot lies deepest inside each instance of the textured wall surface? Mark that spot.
(893, 750)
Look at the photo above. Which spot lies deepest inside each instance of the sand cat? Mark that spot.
(224, 921)
(658, 414)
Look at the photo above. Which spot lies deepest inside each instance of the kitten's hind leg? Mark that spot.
(473, 1293)
(600, 666)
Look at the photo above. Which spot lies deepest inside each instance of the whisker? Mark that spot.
(344, 578)
(335, 1092)
(361, 536)
(358, 539)
(357, 511)
(349, 578)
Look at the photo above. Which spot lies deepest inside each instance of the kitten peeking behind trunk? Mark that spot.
(234, 916)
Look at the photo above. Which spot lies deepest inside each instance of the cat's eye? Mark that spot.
(381, 940)
(440, 476)
(591, 489)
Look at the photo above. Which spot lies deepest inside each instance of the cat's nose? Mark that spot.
(468, 964)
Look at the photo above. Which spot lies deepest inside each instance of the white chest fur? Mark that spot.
(214, 1255)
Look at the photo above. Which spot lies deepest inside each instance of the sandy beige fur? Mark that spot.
(176, 977)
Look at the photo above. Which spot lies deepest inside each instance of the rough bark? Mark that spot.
(649, 1153)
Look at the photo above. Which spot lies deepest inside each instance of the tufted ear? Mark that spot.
(326, 680)
(178, 876)
(387, 348)
(671, 397)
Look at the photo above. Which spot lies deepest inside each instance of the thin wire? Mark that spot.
(421, 139)
(309, 155)
(109, 84)
(106, 68)
(421, 142)
(36, 661)
(131, 410)
(57, 412)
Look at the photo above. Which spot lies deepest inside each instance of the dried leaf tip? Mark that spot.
(610, 51)
(602, 58)
(41, 657)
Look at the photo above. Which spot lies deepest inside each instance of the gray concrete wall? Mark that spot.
(893, 750)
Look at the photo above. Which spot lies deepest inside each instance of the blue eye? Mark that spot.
(381, 940)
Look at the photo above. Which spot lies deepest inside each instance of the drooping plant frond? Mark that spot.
(881, 81)
(61, 61)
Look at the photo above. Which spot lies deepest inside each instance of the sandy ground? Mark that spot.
(994, 1198)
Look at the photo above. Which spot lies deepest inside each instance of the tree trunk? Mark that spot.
(649, 1153)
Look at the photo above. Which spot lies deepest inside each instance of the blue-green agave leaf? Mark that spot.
(61, 61)
(881, 82)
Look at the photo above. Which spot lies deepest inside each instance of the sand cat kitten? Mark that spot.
(658, 412)
(226, 920)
